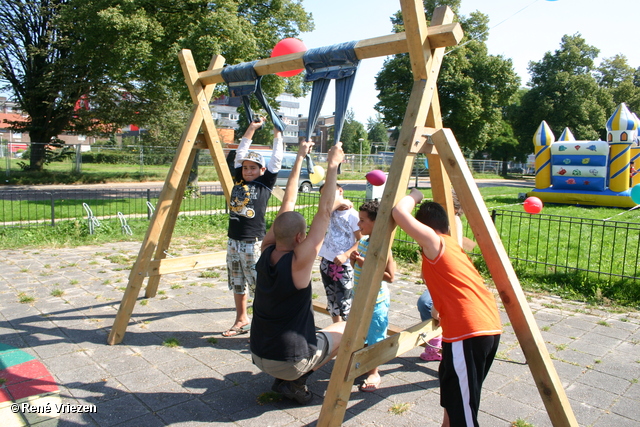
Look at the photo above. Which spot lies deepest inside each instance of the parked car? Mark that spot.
(288, 159)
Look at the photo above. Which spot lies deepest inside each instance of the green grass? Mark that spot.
(96, 173)
(268, 397)
(210, 229)
(25, 299)
(171, 342)
(399, 408)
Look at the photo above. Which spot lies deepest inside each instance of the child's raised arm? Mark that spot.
(307, 251)
(275, 163)
(245, 142)
(291, 190)
(424, 235)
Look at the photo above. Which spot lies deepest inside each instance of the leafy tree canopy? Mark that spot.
(352, 132)
(472, 85)
(565, 93)
(617, 76)
(377, 131)
(122, 56)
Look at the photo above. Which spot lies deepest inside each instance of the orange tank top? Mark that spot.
(467, 308)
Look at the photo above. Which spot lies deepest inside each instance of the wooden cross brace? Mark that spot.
(160, 231)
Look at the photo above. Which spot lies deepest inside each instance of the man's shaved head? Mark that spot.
(287, 226)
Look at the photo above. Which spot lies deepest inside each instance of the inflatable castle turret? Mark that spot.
(542, 140)
(595, 173)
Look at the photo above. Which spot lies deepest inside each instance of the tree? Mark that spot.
(564, 93)
(122, 56)
(352, 132)
(505, 147)
(377, 131)
(473, 86)
(618, 77)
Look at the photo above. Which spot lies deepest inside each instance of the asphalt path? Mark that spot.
(79, 191)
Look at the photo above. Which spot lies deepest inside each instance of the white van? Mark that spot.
(288, 159)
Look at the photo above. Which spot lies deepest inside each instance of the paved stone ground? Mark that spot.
(209, 380)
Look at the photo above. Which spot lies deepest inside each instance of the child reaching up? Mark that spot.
(336, 272)
(466, 309)
(380, 320)
(253, 181)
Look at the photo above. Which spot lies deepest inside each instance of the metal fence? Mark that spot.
(561, 244)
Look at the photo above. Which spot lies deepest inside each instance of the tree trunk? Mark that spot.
(193, 189)
(36, 158)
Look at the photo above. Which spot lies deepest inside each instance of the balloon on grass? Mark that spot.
(532, 205)
(285, 47)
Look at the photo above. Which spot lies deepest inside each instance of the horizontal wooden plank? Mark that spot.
(364, 360)
(439, 36)
(187, 263)
(322, 308)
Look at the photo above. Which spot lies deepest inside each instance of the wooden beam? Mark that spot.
(161, 267)
(158, 220)
(200, 97)
(395, 345)
(439, 36)
(322, 308)
(165, 238)
(506, 281)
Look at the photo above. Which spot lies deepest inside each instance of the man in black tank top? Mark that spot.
(284, 341)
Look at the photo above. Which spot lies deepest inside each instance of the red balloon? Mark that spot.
(376, 177)
(285, 47)
(532, 205)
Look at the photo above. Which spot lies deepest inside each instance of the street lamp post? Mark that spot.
(360, 139)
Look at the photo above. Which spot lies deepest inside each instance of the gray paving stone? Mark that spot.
(119, 410)
(216, 383)
(192, 412)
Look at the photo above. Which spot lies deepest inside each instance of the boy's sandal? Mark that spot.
(237, 330)
(370, 386)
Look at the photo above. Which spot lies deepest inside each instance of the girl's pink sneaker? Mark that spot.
(433, 350)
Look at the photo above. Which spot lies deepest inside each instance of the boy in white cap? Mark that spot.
(253, 182)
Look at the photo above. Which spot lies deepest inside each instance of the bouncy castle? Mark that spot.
(595, 173)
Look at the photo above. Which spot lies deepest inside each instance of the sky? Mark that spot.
(522, 30)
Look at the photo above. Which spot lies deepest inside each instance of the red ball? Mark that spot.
(532, 205)
(376, 177)
(285, 47)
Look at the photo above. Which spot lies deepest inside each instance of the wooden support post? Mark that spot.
(163, 219)
(167, 232)
(425, 65)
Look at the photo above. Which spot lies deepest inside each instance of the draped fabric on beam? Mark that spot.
(242, 81)
(340, 63)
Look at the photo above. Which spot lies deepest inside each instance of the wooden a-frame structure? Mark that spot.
(422, 132)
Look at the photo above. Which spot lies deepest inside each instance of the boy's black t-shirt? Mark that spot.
(248, 206)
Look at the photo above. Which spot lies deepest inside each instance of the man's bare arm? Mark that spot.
(307, 251)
